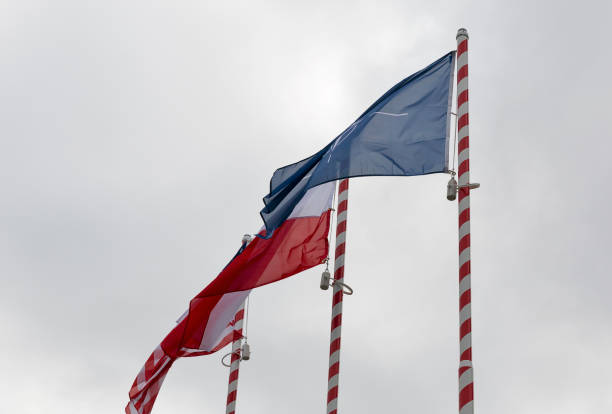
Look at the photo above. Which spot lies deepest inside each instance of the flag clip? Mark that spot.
(243, 354)
(452, 187)
(327, 281)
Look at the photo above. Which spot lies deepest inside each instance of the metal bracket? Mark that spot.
(225, 364)
(327, 281)
(346, 289)
(452, 188)
(244, 354)
(471, 186)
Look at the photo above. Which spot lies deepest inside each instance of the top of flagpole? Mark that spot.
(462, 33)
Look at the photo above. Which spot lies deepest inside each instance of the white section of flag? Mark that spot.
(315, 202)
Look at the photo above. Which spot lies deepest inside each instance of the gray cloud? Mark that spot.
(138, 139)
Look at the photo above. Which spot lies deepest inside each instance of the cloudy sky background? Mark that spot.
(137, 139)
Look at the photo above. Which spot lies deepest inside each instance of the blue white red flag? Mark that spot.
(405, 132)
(299, 243)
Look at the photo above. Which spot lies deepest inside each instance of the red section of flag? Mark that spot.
(298, 244)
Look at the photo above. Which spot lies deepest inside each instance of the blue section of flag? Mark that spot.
(405, 132)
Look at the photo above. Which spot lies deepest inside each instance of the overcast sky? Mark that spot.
(137, 139)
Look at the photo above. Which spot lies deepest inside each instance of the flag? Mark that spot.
(405, 132)
(300, 243)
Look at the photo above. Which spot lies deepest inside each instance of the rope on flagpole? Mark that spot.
(466, 374)
(339, 288)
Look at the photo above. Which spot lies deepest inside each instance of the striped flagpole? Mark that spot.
(336, 317)
(466, 372)
(232, 387)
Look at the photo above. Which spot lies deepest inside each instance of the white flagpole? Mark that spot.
(338, 292)
(232, 387)
(239, 351)
(466, 372)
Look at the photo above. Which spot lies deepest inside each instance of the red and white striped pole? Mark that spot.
(336, 317)
(232, 387)
(466, 371)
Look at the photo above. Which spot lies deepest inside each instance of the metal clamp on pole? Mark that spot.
(243, 354)
(327, 281)
(452, 188)
(246, 351)
(225, 364)
(346, 289)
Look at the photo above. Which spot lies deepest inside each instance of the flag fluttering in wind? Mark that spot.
(300, 243)
(405, 132)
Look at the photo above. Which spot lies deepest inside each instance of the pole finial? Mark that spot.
(462, 32)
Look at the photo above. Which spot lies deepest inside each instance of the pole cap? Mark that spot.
(462, 32)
